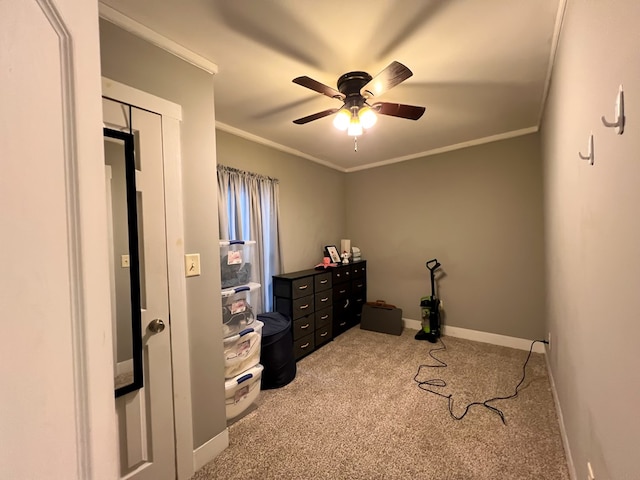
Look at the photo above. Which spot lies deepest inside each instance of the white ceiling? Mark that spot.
(480, 67)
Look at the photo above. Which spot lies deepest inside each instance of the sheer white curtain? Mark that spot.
(248, 209)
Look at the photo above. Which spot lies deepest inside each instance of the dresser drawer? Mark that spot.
(302, 306)
(301, 287)
(341, 291)
(340, 324)
(342, 306)
(324, 317)
(358, 270)
(322, 299)
(358, 285)
(323, 335)
(303, 346)
(341, 274)
(323, 282)
(359, 300)
(303, 326)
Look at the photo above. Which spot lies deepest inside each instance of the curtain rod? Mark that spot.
(245, 172)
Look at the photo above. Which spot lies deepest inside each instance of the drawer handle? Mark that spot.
(323, 281)
(324, 317)
(324, 299)
(303, 287)
(324, 334)
(360, 285)
(343, 324)
(304, 326)
(302, 307)
(342, 291)
(304, 346)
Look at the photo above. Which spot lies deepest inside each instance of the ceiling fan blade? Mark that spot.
(411, 112)
(315, 116)
(388, 78)
(318, 87)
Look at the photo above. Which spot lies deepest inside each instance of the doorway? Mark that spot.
(154, 424)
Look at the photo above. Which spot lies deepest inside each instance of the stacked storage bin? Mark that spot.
(242, 332)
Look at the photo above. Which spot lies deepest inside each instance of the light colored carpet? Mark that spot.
(354, 411)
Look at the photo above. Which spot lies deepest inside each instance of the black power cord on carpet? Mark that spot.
(437, 382)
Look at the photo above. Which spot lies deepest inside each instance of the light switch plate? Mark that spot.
(192, 264)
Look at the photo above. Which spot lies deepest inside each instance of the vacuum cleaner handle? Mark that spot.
(435, 267)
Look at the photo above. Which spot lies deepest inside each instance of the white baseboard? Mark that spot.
(210, 450)
(478, 336)
(412, 324)
(563, 431)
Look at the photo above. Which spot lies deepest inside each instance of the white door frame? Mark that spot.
(171, 117)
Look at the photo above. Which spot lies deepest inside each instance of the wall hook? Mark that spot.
(618, 124)
(589, 155)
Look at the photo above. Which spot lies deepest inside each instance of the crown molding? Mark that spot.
(552, 56)
(448, 148)
(151, 36)
(263, 141)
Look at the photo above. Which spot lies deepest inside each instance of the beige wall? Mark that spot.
(134, 62)
(479, 212)
(593, 236)
(312, 197)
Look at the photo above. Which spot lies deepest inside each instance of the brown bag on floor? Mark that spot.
(382, 317)
(381, 304)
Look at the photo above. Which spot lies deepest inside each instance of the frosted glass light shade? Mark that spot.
(367, 117)
(342, 119)
(355, 127)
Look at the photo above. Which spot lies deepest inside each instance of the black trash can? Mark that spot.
(276, 354)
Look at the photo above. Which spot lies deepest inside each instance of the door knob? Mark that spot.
(156, 325)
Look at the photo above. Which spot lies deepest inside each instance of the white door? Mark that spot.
(145, 416)
(56, 414)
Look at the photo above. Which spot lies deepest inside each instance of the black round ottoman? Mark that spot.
(276, 354)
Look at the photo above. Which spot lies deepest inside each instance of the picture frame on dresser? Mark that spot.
(332, 252)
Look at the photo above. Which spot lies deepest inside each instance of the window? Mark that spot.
(248, 210)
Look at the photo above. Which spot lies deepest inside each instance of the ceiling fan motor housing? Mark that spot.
(350, 84)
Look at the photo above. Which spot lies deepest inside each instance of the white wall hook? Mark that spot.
(618, 124)
(589, 155)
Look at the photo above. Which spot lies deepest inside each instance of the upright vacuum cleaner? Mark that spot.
(430, 307)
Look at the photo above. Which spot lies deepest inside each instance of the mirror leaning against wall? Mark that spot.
(124, 260)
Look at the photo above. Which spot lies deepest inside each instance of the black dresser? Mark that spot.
(322, 304)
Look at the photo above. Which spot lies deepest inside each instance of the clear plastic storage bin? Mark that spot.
(242, 390)
(237, 263)
(240, 306)
(242, 351)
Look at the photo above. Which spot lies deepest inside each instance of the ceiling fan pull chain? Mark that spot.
(355, 144)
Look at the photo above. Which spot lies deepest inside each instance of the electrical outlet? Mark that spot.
(590, 475)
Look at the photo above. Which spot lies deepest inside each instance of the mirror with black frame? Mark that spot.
(124, 268)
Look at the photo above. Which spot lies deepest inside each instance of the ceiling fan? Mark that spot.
(355, 89)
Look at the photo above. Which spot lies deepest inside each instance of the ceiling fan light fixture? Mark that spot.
(367, 117)
(342, 119)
